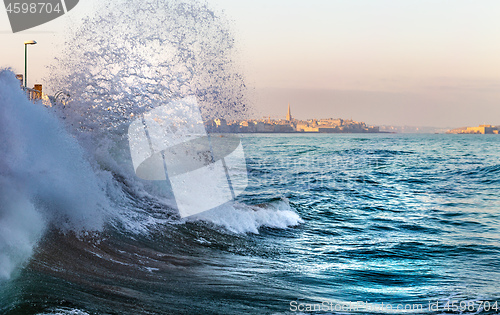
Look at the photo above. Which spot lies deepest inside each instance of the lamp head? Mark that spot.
(30, 42)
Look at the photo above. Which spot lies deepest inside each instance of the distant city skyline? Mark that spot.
(289, 125)
(385, 62)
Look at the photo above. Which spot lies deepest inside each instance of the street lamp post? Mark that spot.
(26, 43)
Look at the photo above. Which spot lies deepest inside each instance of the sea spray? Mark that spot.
(133, 56)
(130, 57)
(45, 179)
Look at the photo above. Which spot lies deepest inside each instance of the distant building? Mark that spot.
(289, 114)
(221, 125)
(20, 77)
(482, 129)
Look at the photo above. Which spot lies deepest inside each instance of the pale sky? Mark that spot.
(391, 62)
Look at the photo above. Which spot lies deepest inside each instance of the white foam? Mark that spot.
(44, 177)
(241, 218)
(65, 311)
(20, 228)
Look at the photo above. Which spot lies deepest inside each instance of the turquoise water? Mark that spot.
(388, 218)
(332, 219)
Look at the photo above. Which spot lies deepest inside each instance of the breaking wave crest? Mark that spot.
(45, 177)
(68, 168)
(242, 218)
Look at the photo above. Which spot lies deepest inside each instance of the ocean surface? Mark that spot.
(327, 219)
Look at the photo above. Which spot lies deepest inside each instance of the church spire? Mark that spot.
(289, 114)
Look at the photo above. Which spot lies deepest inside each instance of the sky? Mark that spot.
(384, 62)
